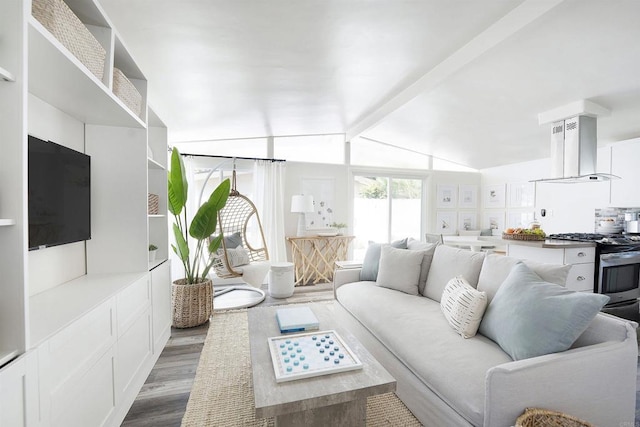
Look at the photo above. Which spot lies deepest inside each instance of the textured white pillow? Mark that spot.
(463, 306)
(399, 269)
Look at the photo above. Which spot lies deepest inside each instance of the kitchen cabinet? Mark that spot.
(581, 259)
(624, 163)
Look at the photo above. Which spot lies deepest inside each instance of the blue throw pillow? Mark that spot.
(233, 241)
(529, 317)
(371, 262)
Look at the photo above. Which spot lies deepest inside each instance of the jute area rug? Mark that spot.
(222, 392)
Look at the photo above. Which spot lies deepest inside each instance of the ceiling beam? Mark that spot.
(505, 27)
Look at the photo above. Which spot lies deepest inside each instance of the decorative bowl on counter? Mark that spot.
(529, 234)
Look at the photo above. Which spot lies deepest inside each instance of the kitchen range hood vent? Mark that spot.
(574, 149)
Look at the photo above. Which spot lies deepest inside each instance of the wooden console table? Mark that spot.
(314, 257)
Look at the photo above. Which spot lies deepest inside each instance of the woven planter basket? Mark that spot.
(127, 92)
(191, 305)
(67, 28)
(535, 417)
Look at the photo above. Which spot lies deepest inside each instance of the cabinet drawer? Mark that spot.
(580, 277)
(87, 400)
(545, 255)
(134, 350)
(579, 255)
(131, 302)
(78, 345)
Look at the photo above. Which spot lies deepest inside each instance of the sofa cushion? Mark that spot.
(463, 306)
(529, 317)
(429, 249)
(371, 261)
(496, 268)
(450, 262)
(417, 333)
(233, 241)
(400, 269)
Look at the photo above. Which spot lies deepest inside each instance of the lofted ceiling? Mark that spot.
(461, 80)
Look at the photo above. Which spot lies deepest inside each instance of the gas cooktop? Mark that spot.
(601, 239)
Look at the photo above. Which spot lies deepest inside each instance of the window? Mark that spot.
(385, 208)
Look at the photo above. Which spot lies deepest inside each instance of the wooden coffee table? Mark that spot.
(338, 399)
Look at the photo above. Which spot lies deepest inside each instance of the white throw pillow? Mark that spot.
(463, 306)
(238, 256)
(399, 269)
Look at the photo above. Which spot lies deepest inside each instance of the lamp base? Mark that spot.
(302, 226)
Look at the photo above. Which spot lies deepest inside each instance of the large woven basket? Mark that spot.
(191, 305)
(67, 28)
(536, 417)
(127, 92)
(526, 237)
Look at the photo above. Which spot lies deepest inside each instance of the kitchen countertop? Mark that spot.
(488, 241)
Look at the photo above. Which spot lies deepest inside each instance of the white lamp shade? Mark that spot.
(301, 203)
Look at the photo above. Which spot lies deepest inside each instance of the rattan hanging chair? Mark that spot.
(235, 217)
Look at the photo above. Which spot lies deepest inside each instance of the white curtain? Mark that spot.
(268, 181)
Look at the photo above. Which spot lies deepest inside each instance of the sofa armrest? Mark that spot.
(342, 276)
(596, 383)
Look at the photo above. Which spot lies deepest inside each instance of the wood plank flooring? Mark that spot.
(163, 398)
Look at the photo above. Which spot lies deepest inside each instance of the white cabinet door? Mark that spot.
(19, 392)
(624, 163)
(161, 299)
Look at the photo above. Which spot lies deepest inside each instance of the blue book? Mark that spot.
(296, 319)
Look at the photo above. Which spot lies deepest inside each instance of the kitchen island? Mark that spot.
(580, 255)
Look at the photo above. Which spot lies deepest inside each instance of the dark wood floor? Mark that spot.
(163, 398)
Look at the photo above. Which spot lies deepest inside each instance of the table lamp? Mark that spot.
(301, 204)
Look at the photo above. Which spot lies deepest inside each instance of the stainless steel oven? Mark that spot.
(619, 276)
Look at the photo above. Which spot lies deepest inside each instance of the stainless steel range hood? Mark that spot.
(574, 149)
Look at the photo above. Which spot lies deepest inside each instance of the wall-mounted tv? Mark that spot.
(59, 194)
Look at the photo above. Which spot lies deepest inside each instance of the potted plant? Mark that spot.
(340, 226)
(153, 249)
(192, 296)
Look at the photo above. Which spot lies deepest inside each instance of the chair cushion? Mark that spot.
(529, 317)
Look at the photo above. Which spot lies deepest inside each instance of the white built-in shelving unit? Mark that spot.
(78, 351)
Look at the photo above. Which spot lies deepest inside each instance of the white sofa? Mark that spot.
(445, 379)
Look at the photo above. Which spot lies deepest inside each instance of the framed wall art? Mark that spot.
(494, 196)
(468, 196)
(447, 195)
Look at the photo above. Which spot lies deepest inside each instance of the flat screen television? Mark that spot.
(59, 194)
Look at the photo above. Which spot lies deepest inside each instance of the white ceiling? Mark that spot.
(462, 80)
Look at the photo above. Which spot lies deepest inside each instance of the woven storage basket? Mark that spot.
(65, 26)
(153, 204)
(529, 237)
(535, 417)
(127, 92)
(191, 305)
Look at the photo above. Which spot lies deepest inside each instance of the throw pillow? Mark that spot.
(399, 269)
(233, 241)
(496, 268)
(463, 306)
(450, 262)
(428, 250)
(529, 317)
(238, 256)
(371, 262)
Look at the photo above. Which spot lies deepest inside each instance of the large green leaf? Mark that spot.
(220, 195)
(177, 184)
(205, 221)
(181, 249)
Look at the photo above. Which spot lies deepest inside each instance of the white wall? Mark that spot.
(50, 267)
